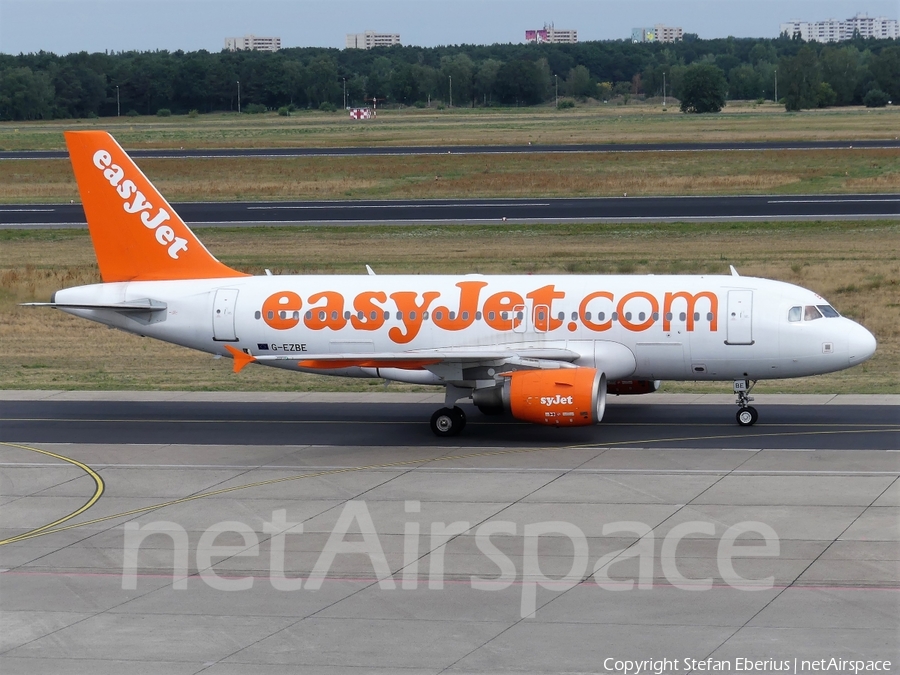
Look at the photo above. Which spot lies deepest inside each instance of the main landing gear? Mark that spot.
(448, 422)
(747, 414)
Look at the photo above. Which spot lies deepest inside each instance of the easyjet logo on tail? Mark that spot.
(134, 201)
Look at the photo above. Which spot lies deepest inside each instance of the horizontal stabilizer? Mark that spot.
(132, 306)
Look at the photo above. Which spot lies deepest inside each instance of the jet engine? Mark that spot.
(568, 397)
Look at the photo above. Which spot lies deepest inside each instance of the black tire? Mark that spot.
(460, 417)
(747, 416)
(446, 422)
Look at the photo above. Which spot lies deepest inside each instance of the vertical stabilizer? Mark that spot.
(137, 235)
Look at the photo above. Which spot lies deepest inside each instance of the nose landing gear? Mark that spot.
(747, 414)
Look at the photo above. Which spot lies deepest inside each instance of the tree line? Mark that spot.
(807, 75)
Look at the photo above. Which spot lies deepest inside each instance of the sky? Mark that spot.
(64, 26)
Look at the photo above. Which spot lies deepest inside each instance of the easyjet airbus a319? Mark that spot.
(547, 349)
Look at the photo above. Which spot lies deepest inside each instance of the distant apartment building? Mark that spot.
(834, 30)
(552, 34)
(659, 33)
(370, 39)
(253, 42)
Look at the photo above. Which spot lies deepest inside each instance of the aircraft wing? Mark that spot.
(415, 360)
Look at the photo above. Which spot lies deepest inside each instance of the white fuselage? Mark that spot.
(636, 327)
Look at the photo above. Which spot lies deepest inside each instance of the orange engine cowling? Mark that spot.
(570, 397)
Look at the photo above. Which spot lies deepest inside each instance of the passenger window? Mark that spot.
(601, 316)
(795, 314)
(829, 311)
(387, 316)
(810, 313)
(270, 314)
(424, 316)
(561, 316)
(438, 315)
(492, 316)
(347, 315)
(258, 315)
(478, 316)
(334, 315)
(465, 316)
(574, 316)
(587, 316)
(682, 316)
(297, 316)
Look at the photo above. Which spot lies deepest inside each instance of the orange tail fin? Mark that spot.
(136, 233)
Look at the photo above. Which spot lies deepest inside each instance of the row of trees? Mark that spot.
(44, 85)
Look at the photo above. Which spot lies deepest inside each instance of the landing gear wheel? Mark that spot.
(747, 416)
(448, 422)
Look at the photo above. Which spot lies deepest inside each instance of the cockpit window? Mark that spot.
(795, 314)
(810, 313)
(829, 311)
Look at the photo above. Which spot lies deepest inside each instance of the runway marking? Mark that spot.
(52, 528)
(156, 420)
(98, 492)
(27, 210)
(829, 201)
(342, 205)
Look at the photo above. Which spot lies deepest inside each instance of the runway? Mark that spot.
(270, 533)
(634, 423)
(490, 211)
(180, 153)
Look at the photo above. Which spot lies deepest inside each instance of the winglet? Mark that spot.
(241, 359)
(137, 235)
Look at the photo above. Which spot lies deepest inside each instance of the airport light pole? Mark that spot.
(239, 96)
(664, 90)
(345, 92)
(556, 77)
(776, 85)
(118, 107)
(451, 90)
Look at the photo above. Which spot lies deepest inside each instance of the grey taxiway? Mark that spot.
(78, 471)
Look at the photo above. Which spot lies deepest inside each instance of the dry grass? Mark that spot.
(855, 265)
(597, 123)
(581, 174)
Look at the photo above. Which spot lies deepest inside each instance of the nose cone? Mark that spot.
(861, 344)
